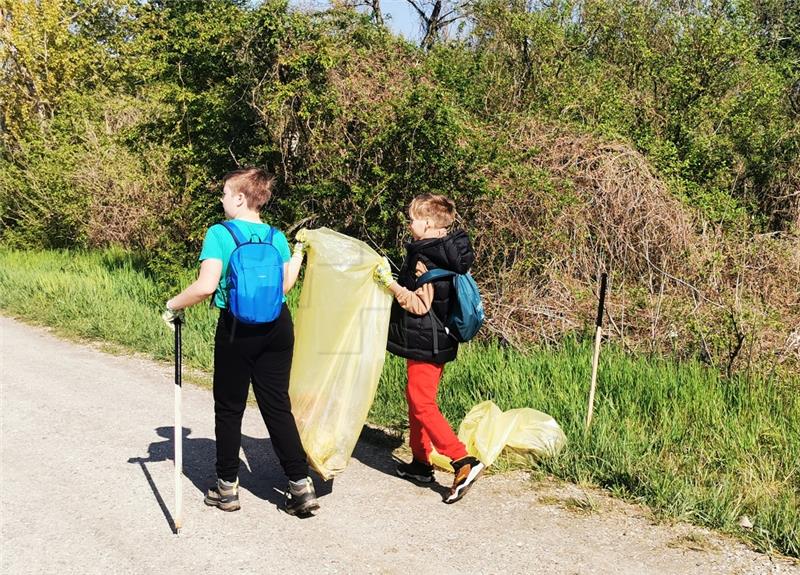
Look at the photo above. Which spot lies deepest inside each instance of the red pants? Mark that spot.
(427, 424)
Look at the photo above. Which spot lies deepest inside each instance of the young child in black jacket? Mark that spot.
(423, 340)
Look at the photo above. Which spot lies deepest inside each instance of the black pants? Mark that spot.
(261, 354)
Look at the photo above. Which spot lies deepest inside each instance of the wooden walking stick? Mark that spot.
(178, 435)
(597, 337)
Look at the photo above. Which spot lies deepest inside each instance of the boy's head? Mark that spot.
(252, 186)
(431, 215)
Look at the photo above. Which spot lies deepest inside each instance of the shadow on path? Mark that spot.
(375, 449)
(260, 473)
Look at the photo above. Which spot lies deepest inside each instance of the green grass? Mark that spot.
(103, 296)
(677, 436)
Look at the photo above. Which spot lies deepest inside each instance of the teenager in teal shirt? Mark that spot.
(261, 353)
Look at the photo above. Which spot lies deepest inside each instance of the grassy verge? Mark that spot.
(678, 437)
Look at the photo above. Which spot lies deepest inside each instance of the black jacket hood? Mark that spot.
(452, 252)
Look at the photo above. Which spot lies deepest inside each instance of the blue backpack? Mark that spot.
(255, 278)
(466, 315)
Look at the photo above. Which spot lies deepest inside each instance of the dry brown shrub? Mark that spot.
(128, 193)
(787, 199)
(127, 200)
(676, 283)
(599, 208)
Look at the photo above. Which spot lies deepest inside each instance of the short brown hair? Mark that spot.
(440, 209)
(255, 183)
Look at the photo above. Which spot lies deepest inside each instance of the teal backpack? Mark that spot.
(255, 278)
(466, 315)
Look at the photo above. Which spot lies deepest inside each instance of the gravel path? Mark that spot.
(87, 487)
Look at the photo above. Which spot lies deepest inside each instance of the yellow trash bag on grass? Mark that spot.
(341, 327)
(486, 431)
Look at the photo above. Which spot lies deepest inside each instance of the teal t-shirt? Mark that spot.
(219, 245)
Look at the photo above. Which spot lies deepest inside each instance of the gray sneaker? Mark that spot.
(224, 495)
(301, 499)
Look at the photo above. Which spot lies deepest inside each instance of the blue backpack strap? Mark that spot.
(433, 275)
(256, 239)
(234, 231)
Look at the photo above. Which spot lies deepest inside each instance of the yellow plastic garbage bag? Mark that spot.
(341, 327)
(486, 431)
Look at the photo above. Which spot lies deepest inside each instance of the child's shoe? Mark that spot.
(224, 495)
(416, 471)
(467, 470)
(301, 499)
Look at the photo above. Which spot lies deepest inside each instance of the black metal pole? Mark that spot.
(601, 303)
(597, 338)
(178, 352)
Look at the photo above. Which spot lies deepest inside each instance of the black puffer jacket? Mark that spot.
(412, 336)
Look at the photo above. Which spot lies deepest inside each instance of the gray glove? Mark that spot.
(170, 316)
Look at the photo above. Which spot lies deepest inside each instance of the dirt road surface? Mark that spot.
(87, 487)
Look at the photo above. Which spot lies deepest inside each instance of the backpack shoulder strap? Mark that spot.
(427, 277)
(234, 231)
(433, 275)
